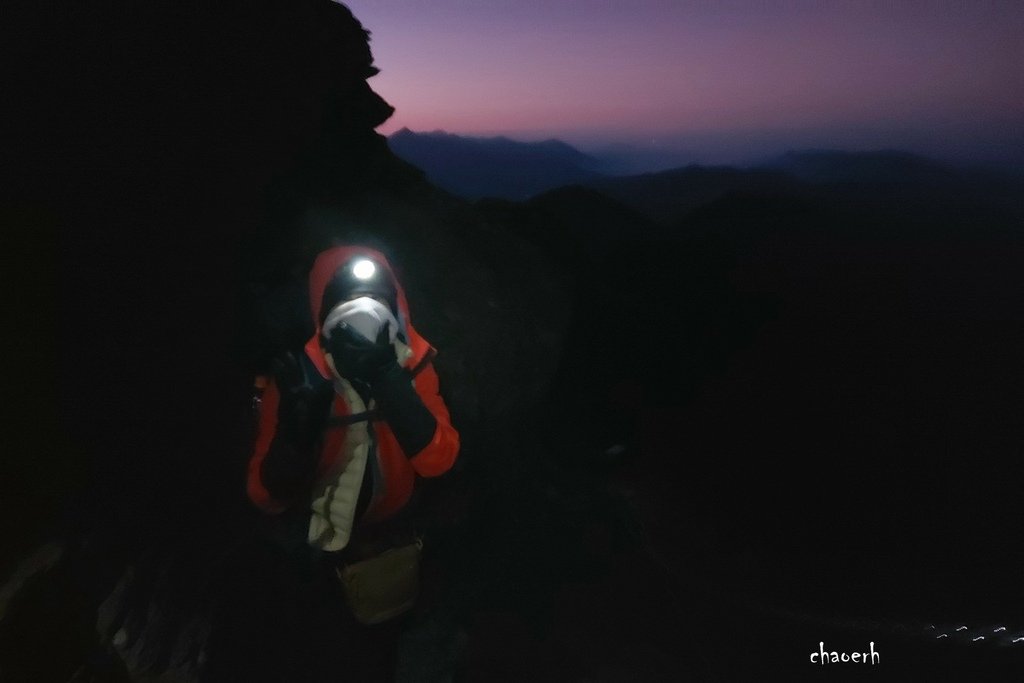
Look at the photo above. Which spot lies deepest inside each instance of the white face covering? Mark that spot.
(364, 315)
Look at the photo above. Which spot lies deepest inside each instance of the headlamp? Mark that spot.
(361, 276)
(364, 269)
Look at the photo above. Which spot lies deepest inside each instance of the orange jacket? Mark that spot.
(397, 469)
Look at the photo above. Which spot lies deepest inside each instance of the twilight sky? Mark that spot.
(722, 81)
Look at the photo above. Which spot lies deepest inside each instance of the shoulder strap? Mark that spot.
(346, 420)
(424, 362)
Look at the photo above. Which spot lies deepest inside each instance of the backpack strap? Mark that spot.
(424, 362)
(346, 420)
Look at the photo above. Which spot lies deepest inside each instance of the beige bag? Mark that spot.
(383, 586)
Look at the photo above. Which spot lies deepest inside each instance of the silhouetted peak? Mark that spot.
(497, 142)
(476, 167)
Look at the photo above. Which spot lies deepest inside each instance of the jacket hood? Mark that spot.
(325, 266)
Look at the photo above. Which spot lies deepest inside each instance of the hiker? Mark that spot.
(348, 425)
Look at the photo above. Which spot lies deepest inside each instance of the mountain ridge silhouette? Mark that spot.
(502, 168)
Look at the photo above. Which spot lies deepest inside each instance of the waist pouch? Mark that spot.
(383, 586)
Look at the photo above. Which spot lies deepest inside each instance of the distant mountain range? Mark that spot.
(501, 168)
(493, 167)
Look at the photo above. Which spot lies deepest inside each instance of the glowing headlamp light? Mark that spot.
(364, 269)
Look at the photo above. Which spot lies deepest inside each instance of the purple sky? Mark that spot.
(723, 81)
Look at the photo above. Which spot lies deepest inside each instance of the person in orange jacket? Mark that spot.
(348, 425)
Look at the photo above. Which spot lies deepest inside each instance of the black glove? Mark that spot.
(358, 358)
(373, 369)
(402, 408)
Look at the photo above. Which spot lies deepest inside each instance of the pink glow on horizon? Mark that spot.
(656, 67)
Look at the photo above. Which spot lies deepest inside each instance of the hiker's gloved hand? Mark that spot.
(357, 358)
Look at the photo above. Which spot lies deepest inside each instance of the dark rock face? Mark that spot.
(803, 375)
(153, 139)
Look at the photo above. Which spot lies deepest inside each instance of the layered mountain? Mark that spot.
(668, 196)
(474, 167)
(894, 174)
(885, 179)
(501, 168)
(876, 168)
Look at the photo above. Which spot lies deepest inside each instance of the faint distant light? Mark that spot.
(974, 640)
(364, 269)
(962, 628)
(1001, 628)
(929, 627)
